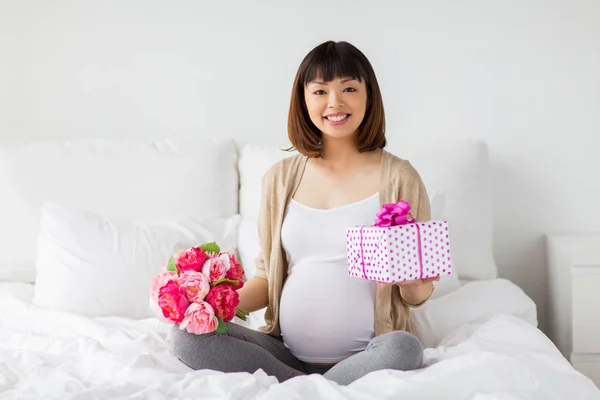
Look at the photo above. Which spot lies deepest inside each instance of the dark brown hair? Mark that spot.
(326, 62)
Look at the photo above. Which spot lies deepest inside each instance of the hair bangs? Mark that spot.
(334, 61)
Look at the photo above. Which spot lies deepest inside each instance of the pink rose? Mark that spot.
(235, 272)
(194, 284)
(190, 260)
(224, 299)
(159, 281)
(172, 301)
(199, 318)
(216, 268)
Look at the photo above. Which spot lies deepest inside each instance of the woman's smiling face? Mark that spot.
(337, 107)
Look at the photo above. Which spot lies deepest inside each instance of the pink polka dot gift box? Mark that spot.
(397, 248)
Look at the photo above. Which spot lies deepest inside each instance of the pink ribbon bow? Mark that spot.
(394, 214)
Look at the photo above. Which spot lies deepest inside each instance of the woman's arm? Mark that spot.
(254, 295)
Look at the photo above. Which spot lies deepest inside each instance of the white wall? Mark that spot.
(523, 75)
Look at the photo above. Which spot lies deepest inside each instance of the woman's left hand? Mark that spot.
(415, 291)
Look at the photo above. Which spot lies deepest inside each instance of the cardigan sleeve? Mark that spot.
(264, 225)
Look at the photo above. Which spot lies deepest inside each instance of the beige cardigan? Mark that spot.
(399, 181)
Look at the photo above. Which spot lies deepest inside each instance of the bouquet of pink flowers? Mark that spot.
(198, 289)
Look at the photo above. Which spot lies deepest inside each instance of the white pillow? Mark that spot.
(457, 176)
(133, 179)
(471, 305)
(19, 290)
(101, 267)
(253, 163)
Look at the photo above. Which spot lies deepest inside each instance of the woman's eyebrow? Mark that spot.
(325, 83)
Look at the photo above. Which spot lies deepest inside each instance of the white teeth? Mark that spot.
(337, 118)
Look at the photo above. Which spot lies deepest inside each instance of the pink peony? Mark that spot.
(195, 285)
(172, 301)
(159, 281)
(235, 272)
(216, 268)
(199, 318)
(224, 299)
(190, 260)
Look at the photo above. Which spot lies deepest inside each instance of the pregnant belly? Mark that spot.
(325, 315)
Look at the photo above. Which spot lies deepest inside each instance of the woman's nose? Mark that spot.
(334, 100)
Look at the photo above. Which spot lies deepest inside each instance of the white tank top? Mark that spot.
(325, 315)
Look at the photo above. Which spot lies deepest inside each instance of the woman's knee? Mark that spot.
(405, 350)
(192, 350)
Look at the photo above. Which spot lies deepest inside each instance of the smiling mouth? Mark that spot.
(337, 118)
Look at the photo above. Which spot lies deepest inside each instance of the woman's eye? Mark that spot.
(349, 90)
(319, 92)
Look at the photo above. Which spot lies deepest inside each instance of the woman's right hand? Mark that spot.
(254, 295)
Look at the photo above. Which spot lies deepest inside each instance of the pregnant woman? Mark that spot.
(319, 319)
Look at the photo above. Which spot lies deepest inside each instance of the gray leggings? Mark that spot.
(242, 349)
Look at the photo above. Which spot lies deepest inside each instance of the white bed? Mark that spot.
(82, 330)
(491, 351)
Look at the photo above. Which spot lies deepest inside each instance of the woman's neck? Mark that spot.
(338, 153)
(342, 155)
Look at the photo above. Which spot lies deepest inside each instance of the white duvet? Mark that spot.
(483, 344)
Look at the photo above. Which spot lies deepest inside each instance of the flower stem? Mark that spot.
(242, 314)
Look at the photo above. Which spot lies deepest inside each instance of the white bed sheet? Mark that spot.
(45, 354)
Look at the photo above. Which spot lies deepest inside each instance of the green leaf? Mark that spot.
(171, 265)
(222, 328)
(210, 247)
(234, 283)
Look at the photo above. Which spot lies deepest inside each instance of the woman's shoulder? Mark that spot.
(400, 169)
(406, 184)
(283, 171)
